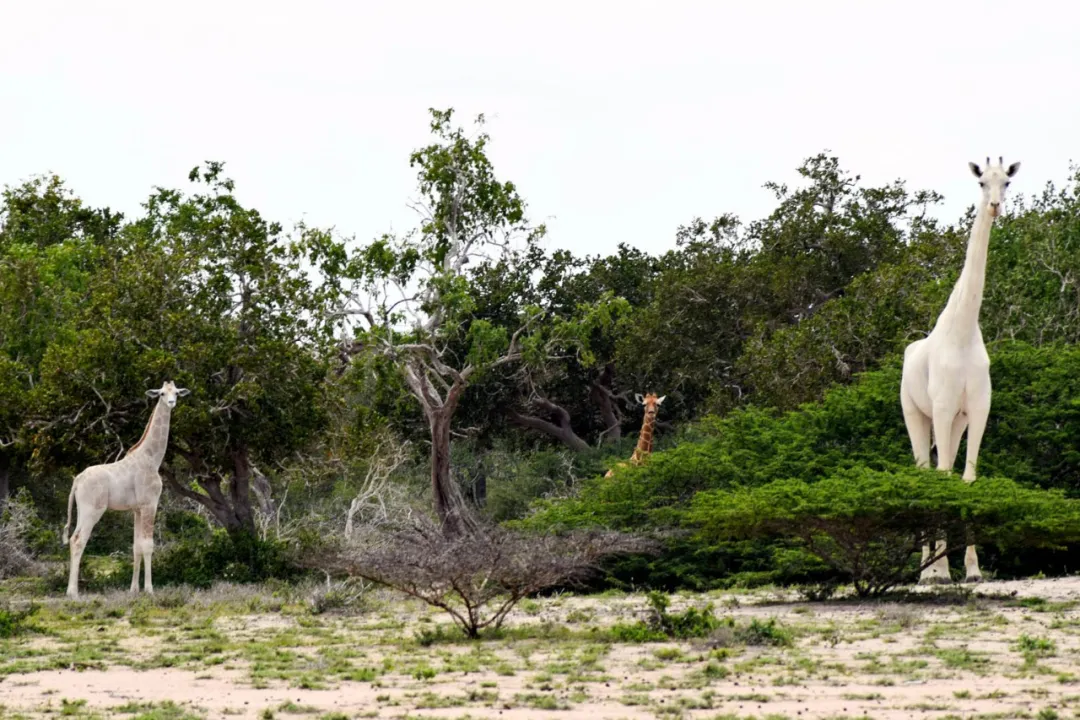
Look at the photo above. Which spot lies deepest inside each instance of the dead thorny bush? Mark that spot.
(478, 577)
(341, 597)
(17, 519)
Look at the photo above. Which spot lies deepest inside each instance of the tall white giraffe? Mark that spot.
(131, 483)
(945, 387)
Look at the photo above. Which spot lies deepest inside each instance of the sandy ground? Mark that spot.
(1009, 650)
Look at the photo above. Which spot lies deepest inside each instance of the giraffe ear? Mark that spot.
(183, 392)
(1012, 169)
(660, 399)
(975, 170)
(640, 400)
(153, 393)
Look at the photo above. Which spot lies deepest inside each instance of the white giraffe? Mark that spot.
(946, 379)
(131, 483)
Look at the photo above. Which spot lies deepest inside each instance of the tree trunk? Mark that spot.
(233, 512)
(604, 399)
(441, 482)
(449, 506)
(480, 487)
(240, 489)
(5, 482)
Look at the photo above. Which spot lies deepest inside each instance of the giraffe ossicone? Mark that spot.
(945, 386)
(648, 427)
(131, 483)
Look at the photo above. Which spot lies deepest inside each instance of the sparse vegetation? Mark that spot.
(479, 576)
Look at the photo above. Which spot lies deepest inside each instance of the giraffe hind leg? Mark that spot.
(77, 544)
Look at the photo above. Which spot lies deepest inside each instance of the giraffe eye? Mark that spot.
(1007, 182)
(982, 184)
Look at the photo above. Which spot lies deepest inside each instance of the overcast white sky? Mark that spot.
(619, 121)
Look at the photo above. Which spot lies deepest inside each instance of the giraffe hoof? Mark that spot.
(973, 579)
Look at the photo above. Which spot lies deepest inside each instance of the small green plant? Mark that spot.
(690, 623)
(71, 707)
(661, 625)
(13, 622)
(1035, 647)
(764, 633)
(424, 672)
(715, 671)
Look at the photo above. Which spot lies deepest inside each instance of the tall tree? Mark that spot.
(416, 302)
(207, 292)
(50, 247)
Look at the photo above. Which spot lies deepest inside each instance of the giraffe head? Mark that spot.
(993, 179)
(651, 403)
(168, 393)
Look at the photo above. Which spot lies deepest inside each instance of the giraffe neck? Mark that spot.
(961, 314)
(644, 443)
(155, 437)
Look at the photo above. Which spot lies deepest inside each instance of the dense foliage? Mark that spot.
(871, 525)
(335, 381)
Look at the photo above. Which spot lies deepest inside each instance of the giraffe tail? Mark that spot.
(71, 499)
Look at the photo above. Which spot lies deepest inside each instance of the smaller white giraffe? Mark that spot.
(131, 483)
(945, 387)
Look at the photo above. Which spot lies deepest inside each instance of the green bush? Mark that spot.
(871, 524)
(239, 558)
(858, 424)
(750, 447)
(1033, 437)
(662, 625)
(697, 623)
(14, 622)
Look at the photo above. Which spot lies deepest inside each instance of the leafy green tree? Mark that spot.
(417, 306)
(206, 291)
(50, 247)
(1032, 287)
(730, 285)
(871, 524)
(580, 403)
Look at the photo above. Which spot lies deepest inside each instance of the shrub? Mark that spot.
(698, 623)
(690, 623)
(478, 577)
(869, 524)
(337, 597)
(18, 523)
(1033, 437)
(13, 622)
(663, 625)
(237, 558)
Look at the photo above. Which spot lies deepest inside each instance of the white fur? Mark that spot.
(131, 483)
(945, 387)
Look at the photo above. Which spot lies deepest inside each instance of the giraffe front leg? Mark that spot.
(147, 544)
(977, 418)
(137, 556)
(944, 422)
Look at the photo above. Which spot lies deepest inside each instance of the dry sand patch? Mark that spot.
(984, 657)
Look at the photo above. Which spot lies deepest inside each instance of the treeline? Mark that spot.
(464, 362)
